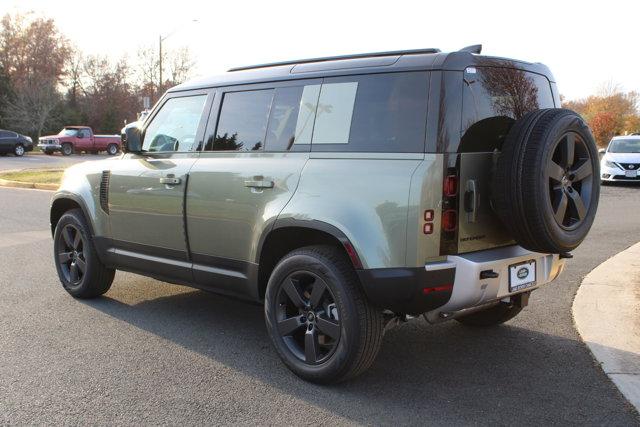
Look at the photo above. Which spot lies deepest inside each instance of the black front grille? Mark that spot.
(630, 166)
(104, 191)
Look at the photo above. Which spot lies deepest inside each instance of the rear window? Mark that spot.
(494, 98)
(372, 113)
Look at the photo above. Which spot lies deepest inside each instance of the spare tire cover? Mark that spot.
(547, 181)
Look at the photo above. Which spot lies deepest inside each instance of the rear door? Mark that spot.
(7, 141)
(146, 191)
(256, 145)
(493, 99)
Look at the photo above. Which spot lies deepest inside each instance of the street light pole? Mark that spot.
(160, 40)
(160, 64)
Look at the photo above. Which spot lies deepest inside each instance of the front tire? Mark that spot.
(67, 149)
(80, 271)
(318, 318)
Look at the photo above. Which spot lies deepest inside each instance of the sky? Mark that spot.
(585, 43)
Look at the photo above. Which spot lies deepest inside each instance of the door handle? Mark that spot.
(170, 180)
(471, 201)
(259, 184)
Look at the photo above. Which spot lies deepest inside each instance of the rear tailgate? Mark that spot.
(478, 225)
(493, 99)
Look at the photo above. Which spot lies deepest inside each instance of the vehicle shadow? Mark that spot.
(442, 374)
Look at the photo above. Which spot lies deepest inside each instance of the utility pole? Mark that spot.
(160, 64)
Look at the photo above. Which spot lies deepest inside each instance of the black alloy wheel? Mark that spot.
(570, 181)
(71, 255)
(318, 317)
(79, 268)
(308, 318)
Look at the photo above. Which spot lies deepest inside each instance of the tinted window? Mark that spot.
(378, 113)
(292, 118)
(5, 134)
(494, 98)
(625, 146)
(242, 125)
(174, 127)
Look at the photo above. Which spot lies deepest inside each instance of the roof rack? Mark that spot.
(335, 58)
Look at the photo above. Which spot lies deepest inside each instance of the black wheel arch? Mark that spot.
(62, 203)
(286, 235)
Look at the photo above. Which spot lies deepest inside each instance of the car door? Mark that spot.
(146, 190)
(6, 141)
(246, 173)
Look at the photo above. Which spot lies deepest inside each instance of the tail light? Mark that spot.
(450, 185)
(449, 220)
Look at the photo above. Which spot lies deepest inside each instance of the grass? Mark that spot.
(40, 176)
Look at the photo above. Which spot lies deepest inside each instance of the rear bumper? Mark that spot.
(471, 291)
(443, 288)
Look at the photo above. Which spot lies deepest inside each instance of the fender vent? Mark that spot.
(104, 191)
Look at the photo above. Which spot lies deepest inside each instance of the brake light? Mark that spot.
(450, 185)
(449, 220)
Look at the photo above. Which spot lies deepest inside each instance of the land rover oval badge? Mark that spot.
(523, 272)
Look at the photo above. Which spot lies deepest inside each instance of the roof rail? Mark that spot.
(335, 58)
(474, 48)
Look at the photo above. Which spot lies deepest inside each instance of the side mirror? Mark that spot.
(602, 151)
(132, 141)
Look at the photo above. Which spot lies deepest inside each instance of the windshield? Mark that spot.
(625, 146)
(68, 132)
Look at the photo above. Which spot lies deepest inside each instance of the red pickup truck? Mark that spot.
(75, 139)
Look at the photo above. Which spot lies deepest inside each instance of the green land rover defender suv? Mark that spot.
(343, 194)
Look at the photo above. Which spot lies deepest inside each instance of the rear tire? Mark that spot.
(67, 149)
(492, 316)
(79, 268)
(112, 149)
(319, 320)
(18, 150)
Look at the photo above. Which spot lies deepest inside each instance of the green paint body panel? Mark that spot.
(374, 199)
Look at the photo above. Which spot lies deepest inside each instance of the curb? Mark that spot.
(606, 311)
(20, 184)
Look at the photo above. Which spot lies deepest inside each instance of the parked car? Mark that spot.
(13, 142)
(343, 193)
(75, 139)
(621, 160)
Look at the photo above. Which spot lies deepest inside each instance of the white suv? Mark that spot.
(621, 160)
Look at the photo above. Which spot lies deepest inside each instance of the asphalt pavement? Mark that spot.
(153, 353)
(39, 161)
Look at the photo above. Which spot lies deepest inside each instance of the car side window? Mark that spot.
(5, 134)
(174, 127)
(242, 123)
(372, 113)
(292, 118)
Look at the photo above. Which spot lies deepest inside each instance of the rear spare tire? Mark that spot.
(546, 184)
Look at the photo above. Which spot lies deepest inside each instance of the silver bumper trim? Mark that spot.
(470, 291)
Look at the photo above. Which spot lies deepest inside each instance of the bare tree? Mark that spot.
(181, 63)
(33, 54)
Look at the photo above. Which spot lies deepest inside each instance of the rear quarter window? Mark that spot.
(493, 99)
(372, 113)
